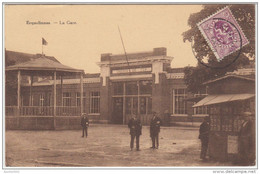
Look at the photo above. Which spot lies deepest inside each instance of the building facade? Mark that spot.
(136, 83)
(140, 84)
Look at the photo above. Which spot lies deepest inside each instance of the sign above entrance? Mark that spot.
(132, 70)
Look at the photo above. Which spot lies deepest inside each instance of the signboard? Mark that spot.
(175, 75)
(119, 71)
(232, 144)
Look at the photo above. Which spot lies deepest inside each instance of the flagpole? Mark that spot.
(42, 49)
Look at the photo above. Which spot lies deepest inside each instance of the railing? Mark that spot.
(36, 111)
(42, 111)
(11, 110)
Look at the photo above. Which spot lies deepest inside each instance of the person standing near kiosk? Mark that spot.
(246, 140)
(204, 137)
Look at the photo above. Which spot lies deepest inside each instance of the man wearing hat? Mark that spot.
(204, 137)
(84, 124)
(135, 127)
(154, 130)
(246, 140)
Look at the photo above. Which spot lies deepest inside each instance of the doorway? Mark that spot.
(117, 116)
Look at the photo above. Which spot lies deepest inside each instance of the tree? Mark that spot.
(195, 76)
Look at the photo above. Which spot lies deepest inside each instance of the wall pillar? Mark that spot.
(61, 90)
(159, 102)
(105, 104)
(54, 100)
(18, 93)
(31, 86)
(81, 93)
(124, 103)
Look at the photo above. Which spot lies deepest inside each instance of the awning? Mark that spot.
(216, 99)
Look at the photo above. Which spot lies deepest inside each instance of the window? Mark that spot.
(33, 102)
(131, 88)
(137, 95)
(48, 101)
(78, 98)
(202, 110)
(131, 105)
(179, 104)
(118, 88)
(66, 99)
(41, 99)
(145, 105)
(94, 102)
(145, 87)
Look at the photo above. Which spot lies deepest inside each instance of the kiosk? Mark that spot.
(228, 106)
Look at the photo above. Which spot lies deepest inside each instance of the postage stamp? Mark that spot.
(222, 33)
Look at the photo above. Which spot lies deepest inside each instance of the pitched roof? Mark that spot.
(19, 57)
(42, 64)
(222, 98)
(228, 76)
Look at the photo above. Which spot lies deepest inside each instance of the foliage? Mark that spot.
(195, 76)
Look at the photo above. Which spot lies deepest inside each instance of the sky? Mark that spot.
(95, 31)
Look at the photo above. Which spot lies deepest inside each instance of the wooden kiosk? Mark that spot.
(226, 103)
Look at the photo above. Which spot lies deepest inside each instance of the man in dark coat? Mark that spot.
(154, 130)
(84, 124)
(204, 137)
(246, 141)
(135, 127)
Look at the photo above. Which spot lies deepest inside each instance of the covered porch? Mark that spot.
(47, 112)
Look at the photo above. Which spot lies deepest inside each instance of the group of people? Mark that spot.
(246, 140)
(135, 127)
(245, 135)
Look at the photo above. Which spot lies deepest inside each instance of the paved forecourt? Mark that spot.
(106, 145)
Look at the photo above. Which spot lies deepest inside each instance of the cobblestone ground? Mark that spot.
(106, 145)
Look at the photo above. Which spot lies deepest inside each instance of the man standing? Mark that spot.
(135, 127)
(246, 140)
(84, 124)
(154, 130)
(204, 137)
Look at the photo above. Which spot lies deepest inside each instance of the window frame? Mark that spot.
(66, 98)
(92, 109)
(174, 95)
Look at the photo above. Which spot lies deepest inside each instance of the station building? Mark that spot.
(141, 84)
(136, 83)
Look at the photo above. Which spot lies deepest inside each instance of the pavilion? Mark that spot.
(43, 67)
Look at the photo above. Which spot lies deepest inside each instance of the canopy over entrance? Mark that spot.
(216, 99)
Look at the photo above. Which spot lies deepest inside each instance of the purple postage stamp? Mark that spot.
(222, 33)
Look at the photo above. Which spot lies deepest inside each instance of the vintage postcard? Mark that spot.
(134, 85)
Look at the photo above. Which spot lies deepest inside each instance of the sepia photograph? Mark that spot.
(129, 85)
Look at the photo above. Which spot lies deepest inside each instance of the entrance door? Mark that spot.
(117, 116)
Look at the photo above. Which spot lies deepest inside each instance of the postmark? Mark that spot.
(222, 33)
